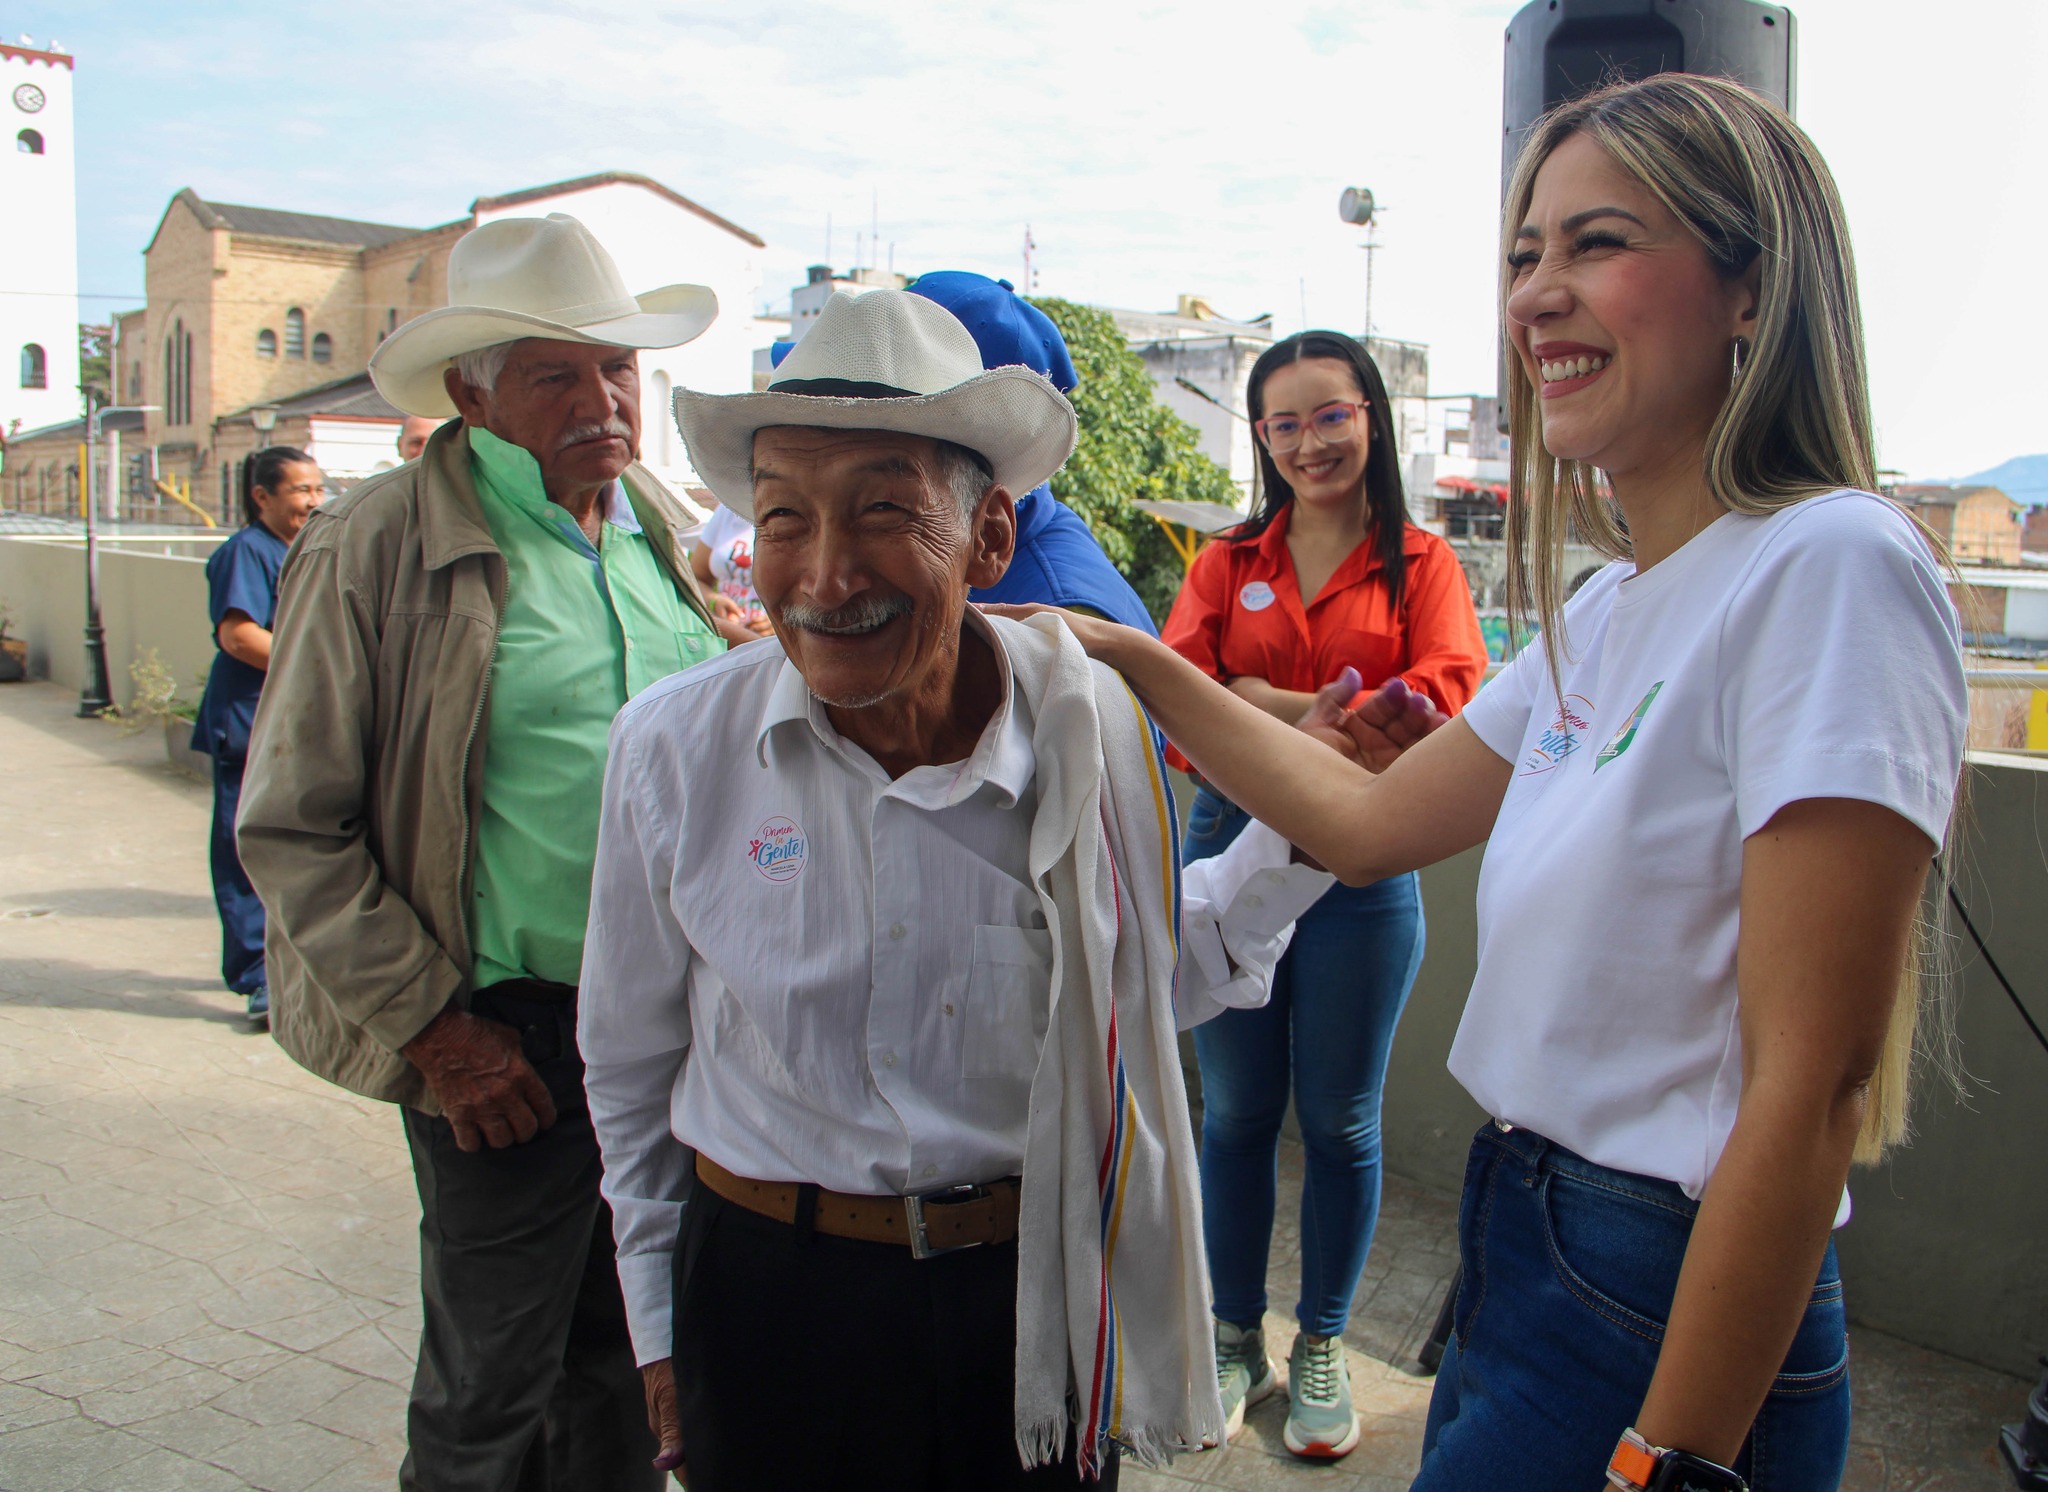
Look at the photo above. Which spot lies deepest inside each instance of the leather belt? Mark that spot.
(938, 1222)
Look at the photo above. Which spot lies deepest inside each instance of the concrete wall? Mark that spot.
(1949, 1243)
(146, 601)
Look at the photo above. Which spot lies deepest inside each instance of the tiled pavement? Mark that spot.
(207, 1257)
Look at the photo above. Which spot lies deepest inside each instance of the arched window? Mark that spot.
(35, 368)
(266, 343)
(323, 348)
(295, 333)
(178, 376)
(28, 142)
(664, 420)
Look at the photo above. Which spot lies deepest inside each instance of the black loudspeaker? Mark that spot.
(1558, 49)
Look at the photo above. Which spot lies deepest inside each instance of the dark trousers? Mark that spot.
(805, 1361)
(525, 1381)
(241, 914)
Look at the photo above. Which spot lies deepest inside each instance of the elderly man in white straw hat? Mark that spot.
(887, 953)
(453, 639)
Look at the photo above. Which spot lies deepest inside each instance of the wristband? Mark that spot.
(1638, 1466)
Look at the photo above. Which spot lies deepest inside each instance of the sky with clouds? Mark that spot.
(1152, 149)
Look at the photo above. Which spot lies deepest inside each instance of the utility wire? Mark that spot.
(1990, 962)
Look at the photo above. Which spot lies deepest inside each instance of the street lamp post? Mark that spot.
(263, 420)
(97, 694)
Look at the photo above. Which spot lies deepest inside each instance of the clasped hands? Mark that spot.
(1370, 729)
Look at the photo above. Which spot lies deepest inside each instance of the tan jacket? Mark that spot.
(365, 771)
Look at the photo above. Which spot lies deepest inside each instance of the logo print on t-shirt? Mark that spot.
(1561, 737)
(1625, 737)
(778, 849)
(1256, 596)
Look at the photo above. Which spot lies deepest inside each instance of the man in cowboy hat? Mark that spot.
(453, 639)
(886, 951)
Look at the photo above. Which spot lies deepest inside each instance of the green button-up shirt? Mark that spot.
(585, 628)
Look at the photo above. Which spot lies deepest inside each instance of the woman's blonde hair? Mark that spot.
(1749, 184)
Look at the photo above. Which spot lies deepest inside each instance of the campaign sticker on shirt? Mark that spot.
(1625, 737)
(778, 849)
(1256, 596)
(1564, 736)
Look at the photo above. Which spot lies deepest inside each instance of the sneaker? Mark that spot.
(1244, 1373)
(259, 1005)
(1321, 1423)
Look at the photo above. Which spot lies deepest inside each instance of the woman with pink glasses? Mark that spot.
(1327, 574)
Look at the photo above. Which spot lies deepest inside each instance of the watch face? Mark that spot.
(1680, 1472)
(28, 98)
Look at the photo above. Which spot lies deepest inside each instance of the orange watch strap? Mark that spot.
(1632, 1463)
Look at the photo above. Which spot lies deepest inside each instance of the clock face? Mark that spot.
(28, 98)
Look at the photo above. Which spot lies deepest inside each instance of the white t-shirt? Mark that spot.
(730, 538)
(1810, 654)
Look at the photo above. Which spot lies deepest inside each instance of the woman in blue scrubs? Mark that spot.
(280, 488)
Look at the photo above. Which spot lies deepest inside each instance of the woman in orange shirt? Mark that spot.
(1327, 573)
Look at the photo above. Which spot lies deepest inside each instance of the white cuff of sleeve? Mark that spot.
(1238, 916)
(647, 1282)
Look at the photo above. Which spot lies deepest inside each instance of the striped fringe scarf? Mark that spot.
(1113, 1335)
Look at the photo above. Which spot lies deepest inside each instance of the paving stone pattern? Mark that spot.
(208, 1258)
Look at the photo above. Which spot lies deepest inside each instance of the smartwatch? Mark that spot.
(1638, 1466)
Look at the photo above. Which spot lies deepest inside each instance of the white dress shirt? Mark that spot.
(812, 972)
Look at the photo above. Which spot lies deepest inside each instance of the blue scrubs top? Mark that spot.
(241, 576)
(1058, 563)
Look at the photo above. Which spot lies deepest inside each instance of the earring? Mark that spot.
(1735, 358)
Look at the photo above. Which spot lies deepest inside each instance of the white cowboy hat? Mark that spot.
(885, 360)
(529, 277)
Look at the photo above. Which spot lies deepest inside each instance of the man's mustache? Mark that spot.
(855, 617)
(595, 430)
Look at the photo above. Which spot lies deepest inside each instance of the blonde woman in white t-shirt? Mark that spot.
(1710, 799)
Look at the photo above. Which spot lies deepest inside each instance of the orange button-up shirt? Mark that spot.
(1241, 612)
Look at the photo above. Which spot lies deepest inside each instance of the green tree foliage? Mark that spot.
(1133, 448)
(95, 370)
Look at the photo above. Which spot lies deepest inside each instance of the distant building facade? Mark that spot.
(2034, 532)
(38, 240)
(252, 307)
(1980, 525)
(1200, 363)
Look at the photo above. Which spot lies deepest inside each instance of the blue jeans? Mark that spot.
(1324, 1037)
(1569, 1272)
(241, 914)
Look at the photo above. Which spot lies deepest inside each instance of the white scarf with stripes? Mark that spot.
(1114, 1341)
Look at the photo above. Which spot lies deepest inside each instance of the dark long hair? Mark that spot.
(265, 469)
(1386, 502)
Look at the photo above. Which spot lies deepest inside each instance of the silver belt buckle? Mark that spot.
(913, 1214)
(1503, 1126)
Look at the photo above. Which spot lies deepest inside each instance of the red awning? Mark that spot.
(1498, 491)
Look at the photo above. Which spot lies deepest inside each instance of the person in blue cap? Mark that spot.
(1057, 561)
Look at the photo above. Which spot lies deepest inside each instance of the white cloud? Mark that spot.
(1154, 149)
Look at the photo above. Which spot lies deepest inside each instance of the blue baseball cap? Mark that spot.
(1008, 329)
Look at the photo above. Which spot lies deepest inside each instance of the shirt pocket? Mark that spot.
(694, 647)
(1377, 656)
(1009, 999)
